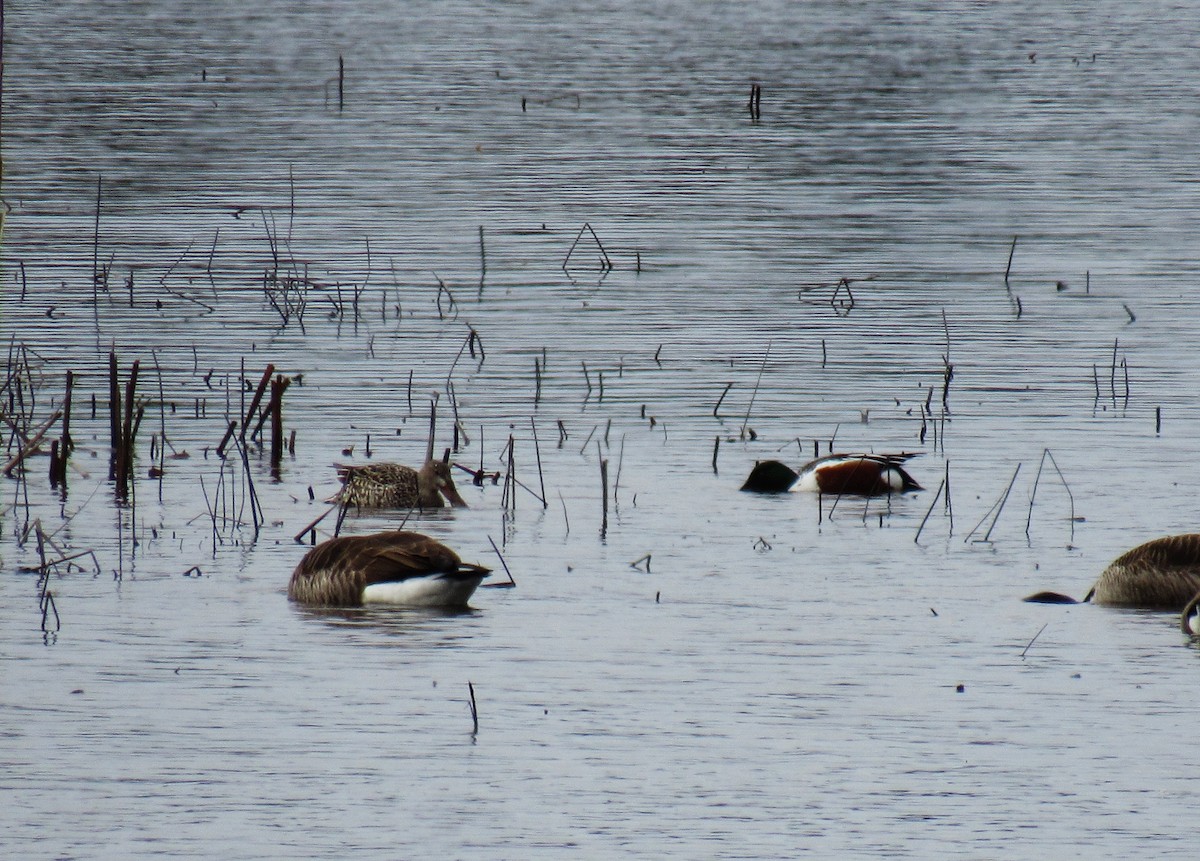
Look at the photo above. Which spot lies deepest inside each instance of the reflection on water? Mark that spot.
(566, 228)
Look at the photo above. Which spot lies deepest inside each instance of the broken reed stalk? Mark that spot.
(31, 445)
(482, 261)
(716, 448)
(257, 518)
(566, 519)
(96, 234)
(162, 426)
(721, 399)
(997, 507)
(605, 263)
(754, 394)
(58, 464)
(538, 453)
(604, 493)
(312, 527)
(941, 487)
(128, 431)
(508, 496)
(268, 413)
(225, 439)
(474, 710)
(114, 415)
(1011, 250)
(278, 386)
(511, 582)
(949, 504)
(254, 402)
(1048, 455)
(429, 444)
(1112, 374)
(620, 463)
(1031, 642)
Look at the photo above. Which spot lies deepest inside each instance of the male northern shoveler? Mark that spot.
(390, 485)
(1163, 574)
(837, 474)
(404, 568)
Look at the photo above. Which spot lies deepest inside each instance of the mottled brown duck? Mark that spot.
(402, 568)
(1163, 574)
(391, 485)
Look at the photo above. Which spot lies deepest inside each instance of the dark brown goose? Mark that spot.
(1163, 574)
(404, 568)
(838, 474)
(391, 485)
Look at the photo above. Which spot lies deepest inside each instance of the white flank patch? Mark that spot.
(429, 591)
(806, 483)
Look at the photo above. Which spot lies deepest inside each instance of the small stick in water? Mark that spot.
(604, 493)
(721, 399)
(1030, 643)
(1012, 248)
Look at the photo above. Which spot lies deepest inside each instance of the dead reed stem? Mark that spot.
(604, 493)
(31, 445)
(721, 400)
(225, 439)
(482, 261)
(754, 394)
(128, 431)
(1048, 455)
(278, 387)
(537, 450)
(1031, 642)
(566, 519)
(997, 507)
(511, 582)
(312, 527)
(1011, 250)
(248, 416)
(114, 415)
(58, 464)
(941, 487)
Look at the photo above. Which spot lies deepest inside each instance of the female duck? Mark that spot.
(404, 568)
(836, 474)
(390, 485)
(1163, 574)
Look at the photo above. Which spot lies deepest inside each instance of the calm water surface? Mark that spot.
(712, 675)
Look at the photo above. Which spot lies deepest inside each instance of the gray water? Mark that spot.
(781, 675)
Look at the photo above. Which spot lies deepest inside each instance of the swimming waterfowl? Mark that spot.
(838, 474)
(1163, 574)
(391, 485)
(404, 568)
